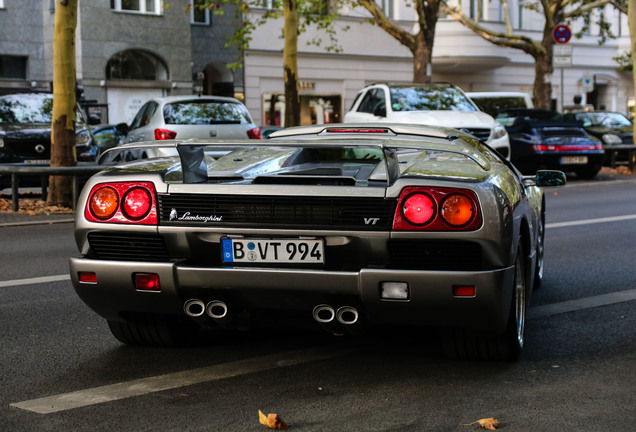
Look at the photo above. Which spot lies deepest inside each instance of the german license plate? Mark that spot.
(573, 160)
(243, 250)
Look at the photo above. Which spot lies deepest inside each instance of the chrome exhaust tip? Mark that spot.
(194, 308)
(347, 315)
(216, 309)
(324, 314)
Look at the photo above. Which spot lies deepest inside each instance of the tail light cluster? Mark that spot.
(437, 209)
(255, 133)
(122, 202)
(164, 134)
(567, 148)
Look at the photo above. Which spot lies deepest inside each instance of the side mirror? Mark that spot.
(546, 178)
(122, 128)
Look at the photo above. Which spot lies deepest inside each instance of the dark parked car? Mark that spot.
(541, 139)
(343, 233)
(610, 127)
(25, 130)
(107, 136)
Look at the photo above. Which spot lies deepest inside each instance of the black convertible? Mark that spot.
(541, 139)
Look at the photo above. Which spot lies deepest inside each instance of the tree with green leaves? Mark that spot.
(298, 16)
(555, 12)
(63, 124)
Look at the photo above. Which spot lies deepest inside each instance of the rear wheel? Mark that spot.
(464, 344)
(154, 330)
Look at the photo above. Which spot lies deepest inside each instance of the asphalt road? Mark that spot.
(61, 370)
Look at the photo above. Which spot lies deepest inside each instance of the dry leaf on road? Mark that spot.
(272, 421)
(486, 423)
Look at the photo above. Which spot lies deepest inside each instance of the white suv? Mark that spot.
(434, 104)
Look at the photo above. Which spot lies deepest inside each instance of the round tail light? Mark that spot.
(457, 210)
(418, 209)
(104, 202)
(136, 203)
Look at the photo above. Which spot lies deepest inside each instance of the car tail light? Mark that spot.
(358, 130)
(122, 202)
(164, 134)
(147, 282)
(457, 210)
(255, 133)
(567, 148)
(437, 209)
(418, 208)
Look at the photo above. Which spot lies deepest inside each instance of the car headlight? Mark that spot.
(82, 138)
(498, 131)
(611, 139)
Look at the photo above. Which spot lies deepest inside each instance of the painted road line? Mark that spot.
(590, 221)
(35, 280)
(113, 392)
(580, 304)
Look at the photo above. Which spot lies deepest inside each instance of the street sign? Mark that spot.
(562, 56)
(562, 33)
(588, 82)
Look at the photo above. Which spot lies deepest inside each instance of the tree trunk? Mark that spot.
(422, 57)
(63, 125)
(542, 92)
(290, 63)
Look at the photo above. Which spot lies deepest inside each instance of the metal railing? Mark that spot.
(17, 171)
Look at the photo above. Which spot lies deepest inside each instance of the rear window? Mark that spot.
(430, 98)
(205, 112)
(29, 108)
(493, 104)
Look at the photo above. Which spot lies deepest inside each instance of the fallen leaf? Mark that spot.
(486, 423)
(272, 421)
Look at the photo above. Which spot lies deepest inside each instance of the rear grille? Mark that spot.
(371, 214)
(128, 247)
(436, 255)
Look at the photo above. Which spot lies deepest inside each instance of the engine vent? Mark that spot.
(372, 214)
(128, 247)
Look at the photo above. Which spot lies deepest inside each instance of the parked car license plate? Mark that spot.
(247, 250)
(573, 160)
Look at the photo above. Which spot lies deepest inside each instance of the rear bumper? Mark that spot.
(431, 300)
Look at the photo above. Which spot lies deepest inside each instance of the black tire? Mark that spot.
(464, 344)
(540, 252)
(154, 330)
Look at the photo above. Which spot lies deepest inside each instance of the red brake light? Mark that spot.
(457, 210)
(567, 148)
(255, 133)
(437, 209)
(357, 130)
(464, 290)
(164, 134)
(418, 209)
(136, 203)
(137, 206)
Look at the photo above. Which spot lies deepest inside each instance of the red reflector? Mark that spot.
(147, 282)
(87, 277)
(164, 134)
(463, 291)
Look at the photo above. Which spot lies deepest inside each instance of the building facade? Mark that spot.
(131, 50)
(127, 51)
